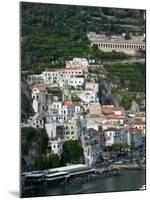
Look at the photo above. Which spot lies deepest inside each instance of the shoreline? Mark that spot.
(129, 166)
(104, 172)
(99, 173)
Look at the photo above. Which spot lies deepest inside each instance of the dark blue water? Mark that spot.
(129, 180)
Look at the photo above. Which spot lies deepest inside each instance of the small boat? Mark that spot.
(143, 187)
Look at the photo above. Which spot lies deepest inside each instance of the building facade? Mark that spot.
(117, 43)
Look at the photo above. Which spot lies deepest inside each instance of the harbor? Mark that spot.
(126, 180)
(60, 174)
(73, 176)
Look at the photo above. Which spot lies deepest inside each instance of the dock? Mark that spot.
(57, 174)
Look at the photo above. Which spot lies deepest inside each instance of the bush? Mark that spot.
(126, 101)
(72, 152)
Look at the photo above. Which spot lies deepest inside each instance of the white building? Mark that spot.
(51, 129)
(70, 110)
(81, 63)
(75, 81)
(88, 95)
(56, 146)
(55, 108)
(55, 133)
(117, 43)
(71, 72)
(64, 76)
(128, 136)
(71, 130)
(40, 97)
(37, 121)
(90, 140)
(53, 75)
(109, 136)
(93, 86)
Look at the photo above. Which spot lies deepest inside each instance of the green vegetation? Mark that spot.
(131, 76)
(102, 55)
(35, 139)
(72, 152)
(26, 101)
(33, 144)
(28, 133)
(75, 98)
(126, 101)
(47, 161)
(55, 91)
(120, 147)
(52, 34)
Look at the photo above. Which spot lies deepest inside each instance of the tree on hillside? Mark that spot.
(127, 101)
(33, 145)
(72, 152)
(47, 161)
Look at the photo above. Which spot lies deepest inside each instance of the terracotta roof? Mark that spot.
(67, 103)
(127, 122)
(72, 68)
(132, 129)
(117, 109)
(110, 116)
(54, 69)
(111, 129)
(140, 123)
(108, 110)
(93, 130)
(119, 117)
(40, 87)
(140, 115)
(89, 89)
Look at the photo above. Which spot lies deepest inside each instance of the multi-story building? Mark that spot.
(129, 136)
(56, 146)
(70, 110)
(90, 140)
(139, 125)
(74, 81)
(109, 136)
(40, 98)
(93, 86)
(117, 43)
(37, 121)
(88, 95)
(81, 63)
(71, 130)
(65, 76)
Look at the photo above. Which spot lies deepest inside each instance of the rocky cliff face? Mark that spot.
(26, 101)
(110, 92)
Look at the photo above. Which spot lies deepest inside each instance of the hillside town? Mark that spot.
(83, 99)
(66, 104)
